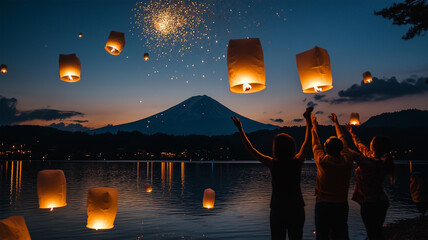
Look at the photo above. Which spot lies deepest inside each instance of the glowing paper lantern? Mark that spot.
(51, 189)
(367, 76)
(80, 35)
(246, 66)
(209, 198)
(14, 228)
(115, 43)
(3, 68)
(314, 70)
(148, 187)
(355, 119)
(69, 67)
(102, 207)
(146, 56)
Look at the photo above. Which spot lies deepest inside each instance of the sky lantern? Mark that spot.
(314, 70)
(69, 67)
(14, 228)
(367, 76)
(102, 207)
(146, 56)
(148, 187)
(355, 119)
(245, 65)
(51, 189)
(80, 35)
(115, 43)
(3, 68)
(209, 198)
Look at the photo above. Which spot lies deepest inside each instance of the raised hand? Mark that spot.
(237, 123)
(307, 114)
(314, 121)
(333, 118)
(349, 128)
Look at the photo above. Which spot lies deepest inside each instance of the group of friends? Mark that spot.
(335, 163)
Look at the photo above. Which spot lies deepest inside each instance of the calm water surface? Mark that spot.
(174, 209)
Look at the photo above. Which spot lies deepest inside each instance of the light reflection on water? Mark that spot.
(174, 209)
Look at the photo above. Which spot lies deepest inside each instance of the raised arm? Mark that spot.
(339, 131)
(266, 160)
(305, 146)
(316, 143)
(361, 147)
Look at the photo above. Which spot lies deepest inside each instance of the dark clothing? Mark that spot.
(331, 220)
(291, 220)
(373, 215)
(287, 204)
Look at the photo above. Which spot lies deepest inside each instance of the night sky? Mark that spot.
(190, 59)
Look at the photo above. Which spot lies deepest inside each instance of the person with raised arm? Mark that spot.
(287, 204)
(334, 170)
(370, 176)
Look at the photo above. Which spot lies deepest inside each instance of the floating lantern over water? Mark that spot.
(148, 187)
(115, 43)
(355, 119)
(69, 67)
(80, 35)
(246, 65)
(14, 228)
(3, 68)
(51, 189)
(367, 76)
(146, 56)
(102, 207)
(209, 198)
(314, 70)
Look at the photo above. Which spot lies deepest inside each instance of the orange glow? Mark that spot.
(51, 189)
(355, 119)
(115, 43)
(14, 227)
(367, 77)
(3, 68)
(314, 70)
(209, 198)
(80, 35)
(245, 64)
(102, 208)
(146, 56)
(148, 187)
(69, 68)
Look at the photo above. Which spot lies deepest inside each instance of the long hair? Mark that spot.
(284, 147)
(381, 150)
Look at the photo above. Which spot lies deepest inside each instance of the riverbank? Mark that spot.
(407, 229)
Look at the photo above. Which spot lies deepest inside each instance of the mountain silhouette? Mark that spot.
(402, 119)
(198, 115)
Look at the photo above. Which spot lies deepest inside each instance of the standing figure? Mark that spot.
(287, 205)
(334, 170)
(370, 175)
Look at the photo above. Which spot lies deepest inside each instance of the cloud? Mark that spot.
(379, 90)
(79, 121)
(311, 104)
(279, 112)
(9, 114)
(279, 120)
(304, 100)
(298, 120)
(320, 112)
(70, 127)
(318, 97)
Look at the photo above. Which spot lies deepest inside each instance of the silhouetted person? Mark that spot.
(287, 205)
(370, 175)
(419, 192)
(334, 170)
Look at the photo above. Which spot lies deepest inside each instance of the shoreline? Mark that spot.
(407, 229)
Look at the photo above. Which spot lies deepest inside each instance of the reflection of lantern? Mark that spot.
(69, 68)
(209, 198)
(3, 68)
(51, 189)
(148, 187)
(115, 43)
(102, 207)
(314, 70)
(146, 56)
(80, 35)
(355, 119)
(367, 76)
(245, 65)
(14, 228)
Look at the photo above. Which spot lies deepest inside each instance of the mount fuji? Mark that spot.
(198, 115)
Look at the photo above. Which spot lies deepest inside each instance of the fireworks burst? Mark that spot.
(168, 24)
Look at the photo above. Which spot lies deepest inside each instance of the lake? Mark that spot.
(173, 210)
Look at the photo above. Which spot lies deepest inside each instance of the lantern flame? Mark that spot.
(52, 209)
(354, 123)
(246, 87)
(317, 89)
(112, 49)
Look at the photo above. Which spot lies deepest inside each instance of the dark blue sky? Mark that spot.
(124, 88)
